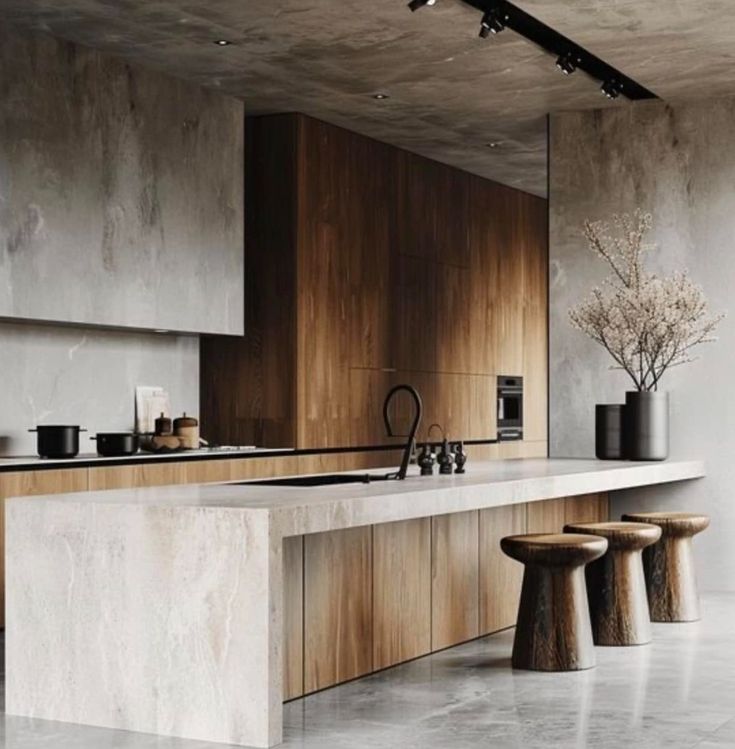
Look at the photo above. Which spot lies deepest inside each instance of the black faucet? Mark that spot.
(410, 444)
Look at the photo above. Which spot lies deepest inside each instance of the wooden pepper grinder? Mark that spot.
(163, 425)
(186, 428)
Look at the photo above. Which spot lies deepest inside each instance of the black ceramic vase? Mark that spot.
(646, 425)
(609, 431)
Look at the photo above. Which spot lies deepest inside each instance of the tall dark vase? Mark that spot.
(646, 425)
(609, 431)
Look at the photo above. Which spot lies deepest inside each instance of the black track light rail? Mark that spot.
(558, 44)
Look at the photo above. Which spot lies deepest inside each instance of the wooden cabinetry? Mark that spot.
(401, 591)
(550, 515)
(338, 622)
(454, 579)
(500, 576)
(375, 266)
(293, 617)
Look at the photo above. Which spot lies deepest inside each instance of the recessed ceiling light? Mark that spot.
(222, 42)
(380, 96)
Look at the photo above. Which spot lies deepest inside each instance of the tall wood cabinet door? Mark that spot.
(401, 591)
(500, 576)
(293, 617)
(547, 516)
(454, 579)
(338, 617)
(586, 508)
(28, 484)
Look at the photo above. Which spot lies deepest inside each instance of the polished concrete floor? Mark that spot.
(678, 692)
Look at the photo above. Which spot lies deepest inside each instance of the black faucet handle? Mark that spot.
(445, 459)
(426, 460)
(460, 456)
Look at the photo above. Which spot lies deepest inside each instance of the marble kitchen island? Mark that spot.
(161, 610)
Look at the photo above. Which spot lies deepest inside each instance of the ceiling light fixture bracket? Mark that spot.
(570, 56)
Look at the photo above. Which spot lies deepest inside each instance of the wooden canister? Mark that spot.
(163, 425)
(186, 428)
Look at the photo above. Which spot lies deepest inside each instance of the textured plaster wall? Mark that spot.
(121, 204)
(679, 163)
(121, 192)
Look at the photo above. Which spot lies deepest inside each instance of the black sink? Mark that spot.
(327, 479)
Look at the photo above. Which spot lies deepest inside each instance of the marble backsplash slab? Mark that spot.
(53, 374)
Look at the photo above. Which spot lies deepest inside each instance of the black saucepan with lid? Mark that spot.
(116, 444)
(57, 440)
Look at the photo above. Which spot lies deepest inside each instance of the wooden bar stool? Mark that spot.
(553, 629)
(616, 587)
(671, 581)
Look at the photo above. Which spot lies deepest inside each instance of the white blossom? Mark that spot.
(646, 323)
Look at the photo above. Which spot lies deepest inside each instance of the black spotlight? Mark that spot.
(612, 88)
(416, 4)
(493, 22)
(567, 63)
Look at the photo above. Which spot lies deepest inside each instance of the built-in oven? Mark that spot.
(510, 408)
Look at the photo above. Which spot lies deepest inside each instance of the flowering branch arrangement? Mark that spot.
(648, 324)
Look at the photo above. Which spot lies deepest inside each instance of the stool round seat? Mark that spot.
(553, 631)
(672, 524)
(554, 549)
(671, 581)
(616, 586)
(619, 534)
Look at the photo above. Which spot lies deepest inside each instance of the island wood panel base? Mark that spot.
(455, 568)
(401, 591)
(338, 616)
(293, 617)
(500, 576)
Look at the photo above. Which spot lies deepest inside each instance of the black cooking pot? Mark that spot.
(114, 444)
(57, 441)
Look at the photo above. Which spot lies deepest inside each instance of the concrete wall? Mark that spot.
(120, 204)
(121, 193)
(679, 163)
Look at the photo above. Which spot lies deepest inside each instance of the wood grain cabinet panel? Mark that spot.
(128, 477)
(500, 576)
(28, 484)
(364, 257)
(401, 591)
(521, 449)
(338, 617)
(587, 508)
(550, 515)
(454, 579)
(293, 617)
(547, 516)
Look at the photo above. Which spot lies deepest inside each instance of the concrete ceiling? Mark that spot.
(450, 93)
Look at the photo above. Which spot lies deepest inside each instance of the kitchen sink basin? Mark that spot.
(327, 479)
